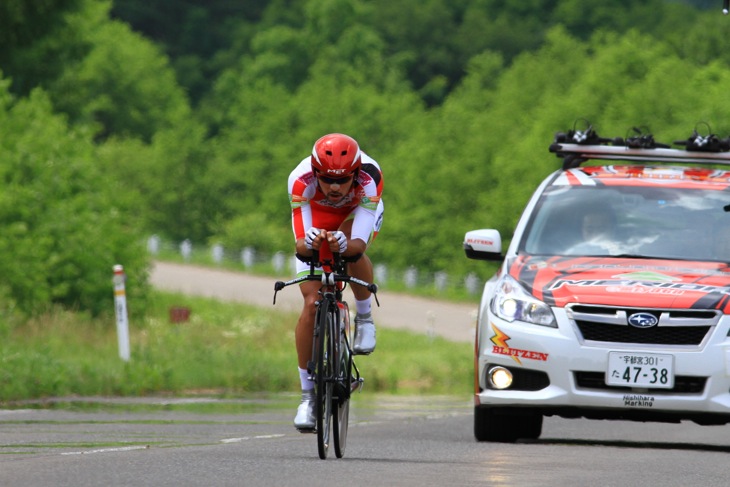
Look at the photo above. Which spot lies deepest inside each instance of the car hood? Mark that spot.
(646, 283)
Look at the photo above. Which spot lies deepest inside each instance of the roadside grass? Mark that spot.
(223, 350)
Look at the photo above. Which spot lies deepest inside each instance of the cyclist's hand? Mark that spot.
(313, 238)
(337, 241)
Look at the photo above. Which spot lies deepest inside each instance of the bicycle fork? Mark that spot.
(347, 363)
(343, 356)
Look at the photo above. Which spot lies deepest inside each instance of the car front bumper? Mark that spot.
(567, 374)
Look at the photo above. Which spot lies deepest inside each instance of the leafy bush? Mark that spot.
(61, 231)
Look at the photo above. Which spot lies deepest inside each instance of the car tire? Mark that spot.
(530, 426)
(497, 425)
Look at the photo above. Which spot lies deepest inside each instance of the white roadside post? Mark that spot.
(120, 307)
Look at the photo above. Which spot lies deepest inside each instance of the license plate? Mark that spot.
(633, 369)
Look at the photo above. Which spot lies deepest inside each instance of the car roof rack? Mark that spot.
(578, 146)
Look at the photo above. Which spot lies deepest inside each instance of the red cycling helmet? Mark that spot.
(336, 155)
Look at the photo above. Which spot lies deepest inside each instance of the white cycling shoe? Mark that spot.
(304, 421)
(364, 334)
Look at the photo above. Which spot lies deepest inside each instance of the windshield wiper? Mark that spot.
(624, 256)
(652, 257)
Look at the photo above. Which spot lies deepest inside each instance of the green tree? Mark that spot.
(123, 85)
(62, 232)
(22, 24)
(201, 37)
(97, 70)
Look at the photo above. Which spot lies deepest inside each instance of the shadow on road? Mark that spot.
(655, 445)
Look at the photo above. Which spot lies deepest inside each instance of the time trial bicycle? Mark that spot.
(332, 367)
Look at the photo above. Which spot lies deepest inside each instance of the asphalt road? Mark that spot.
(393, 441)
(446, 319)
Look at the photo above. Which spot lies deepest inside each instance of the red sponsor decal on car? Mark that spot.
(559, 281)
(480, 241)
(501, 348)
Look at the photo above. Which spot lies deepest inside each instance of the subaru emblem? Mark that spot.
(643, 320)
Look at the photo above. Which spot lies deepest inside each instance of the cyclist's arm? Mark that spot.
(302, 248)
(300, 190)
(355, 247)
(323, 238)
(364, 218)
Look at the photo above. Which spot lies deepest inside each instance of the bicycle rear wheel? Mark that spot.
(323, 380)
(343, 380)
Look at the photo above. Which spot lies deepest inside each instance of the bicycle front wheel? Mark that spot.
(343, 379)
(323, 379)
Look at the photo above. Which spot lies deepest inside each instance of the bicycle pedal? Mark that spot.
(307, 431)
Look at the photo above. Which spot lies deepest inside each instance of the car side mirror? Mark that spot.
(484, 244)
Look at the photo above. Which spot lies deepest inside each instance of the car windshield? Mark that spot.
(634, 221)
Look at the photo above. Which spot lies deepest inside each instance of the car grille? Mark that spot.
(675, 327)
(682, 384)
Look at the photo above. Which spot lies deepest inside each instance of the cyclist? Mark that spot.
(335, 198)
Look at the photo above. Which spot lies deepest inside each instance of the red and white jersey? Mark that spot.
(310, 208)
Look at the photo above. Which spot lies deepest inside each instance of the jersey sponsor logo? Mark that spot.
(370, 202)
(296, 201)
(378, 223)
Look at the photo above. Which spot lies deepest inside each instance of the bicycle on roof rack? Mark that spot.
(332, 366)
(577, 146)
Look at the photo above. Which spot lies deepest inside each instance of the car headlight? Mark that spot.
(511, 302)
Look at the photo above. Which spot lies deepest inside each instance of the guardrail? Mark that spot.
(282, 263)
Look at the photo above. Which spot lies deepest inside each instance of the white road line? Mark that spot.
(106, 450)
(246, 438)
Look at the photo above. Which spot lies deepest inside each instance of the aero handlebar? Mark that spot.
(334, 271)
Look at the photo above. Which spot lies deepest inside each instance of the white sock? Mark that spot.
(307, 384)
(363, 307)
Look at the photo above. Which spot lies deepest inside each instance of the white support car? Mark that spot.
(613, 299)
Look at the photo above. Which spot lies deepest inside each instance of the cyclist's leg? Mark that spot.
(362, 269)
(364, 342)
(305, 419)
(305, 324)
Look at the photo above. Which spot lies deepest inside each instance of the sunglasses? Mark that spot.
(340, 181)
